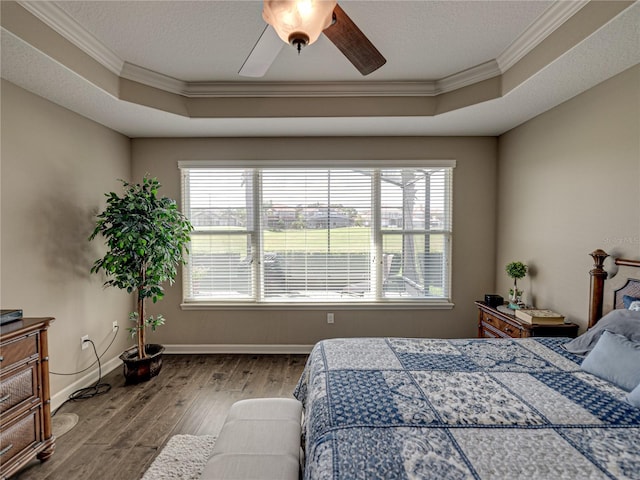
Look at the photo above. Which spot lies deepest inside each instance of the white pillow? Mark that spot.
(635, 306)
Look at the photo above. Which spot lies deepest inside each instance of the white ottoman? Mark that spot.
(260, 440)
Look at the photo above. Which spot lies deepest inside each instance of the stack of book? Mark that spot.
(544, 317)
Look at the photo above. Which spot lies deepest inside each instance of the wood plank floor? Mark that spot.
(120, 433)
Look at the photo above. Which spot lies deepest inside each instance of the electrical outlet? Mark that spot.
(85, 344)
(329, 317)
(114, 326)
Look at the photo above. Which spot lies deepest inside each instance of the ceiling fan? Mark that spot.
(300, 23)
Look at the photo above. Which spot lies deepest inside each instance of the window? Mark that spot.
(294, 234)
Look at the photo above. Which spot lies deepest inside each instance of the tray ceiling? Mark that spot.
(169, 68)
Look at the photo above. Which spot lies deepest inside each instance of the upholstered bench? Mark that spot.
(260, 440)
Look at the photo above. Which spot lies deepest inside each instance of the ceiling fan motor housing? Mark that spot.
(298, 22)
(299, 40)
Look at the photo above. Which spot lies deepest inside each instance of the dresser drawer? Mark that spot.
(17, 437)
(18, 350)
(18, 387)
(502, 326)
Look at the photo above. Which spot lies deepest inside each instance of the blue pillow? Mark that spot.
(616, 359)
(628, 299)
(623, 322)
(634, 397)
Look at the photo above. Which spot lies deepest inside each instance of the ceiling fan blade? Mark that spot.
(263, 54)
(353, 43)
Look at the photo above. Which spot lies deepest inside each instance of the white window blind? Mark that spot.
(314, 235)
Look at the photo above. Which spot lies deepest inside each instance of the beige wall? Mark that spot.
(56, 166)
(473, 240)
(569, 182)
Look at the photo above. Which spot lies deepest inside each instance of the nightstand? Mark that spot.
(494, 323)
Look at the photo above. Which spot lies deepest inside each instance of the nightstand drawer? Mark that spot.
(506, 332)
(502, 326)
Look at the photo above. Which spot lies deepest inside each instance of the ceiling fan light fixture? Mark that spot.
(298, 22)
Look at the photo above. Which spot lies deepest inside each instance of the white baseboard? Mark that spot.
(86, 381)
(238, 348)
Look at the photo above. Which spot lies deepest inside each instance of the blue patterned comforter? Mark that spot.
(400, 408)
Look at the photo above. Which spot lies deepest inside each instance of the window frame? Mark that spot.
(258, 302)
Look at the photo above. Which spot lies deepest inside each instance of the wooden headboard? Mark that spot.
(606, 297)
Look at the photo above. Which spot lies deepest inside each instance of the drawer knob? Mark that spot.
(6, 449)
(5, 398)
(1, 358)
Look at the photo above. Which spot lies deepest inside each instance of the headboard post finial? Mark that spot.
(598, 276)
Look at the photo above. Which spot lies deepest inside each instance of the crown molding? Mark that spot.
(550, 20)
(153, 79)
(468, 77)
(426, 88)
(276, 89)
(312, 89)
(65, 25)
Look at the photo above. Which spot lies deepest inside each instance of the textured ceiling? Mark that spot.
(425, 42)
(208, 41)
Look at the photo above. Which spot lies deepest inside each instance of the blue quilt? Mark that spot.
(400, 408)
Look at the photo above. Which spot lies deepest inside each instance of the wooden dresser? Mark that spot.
(25, 411)
(493, 323)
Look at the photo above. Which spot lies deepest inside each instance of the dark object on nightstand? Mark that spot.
(493, 300)
(494, 323)
(11, 315)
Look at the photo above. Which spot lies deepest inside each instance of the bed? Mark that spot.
(409, 408)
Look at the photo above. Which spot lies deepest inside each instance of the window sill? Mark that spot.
(417, 305)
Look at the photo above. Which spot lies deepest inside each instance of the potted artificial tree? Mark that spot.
(515, 270)
(145, 237)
